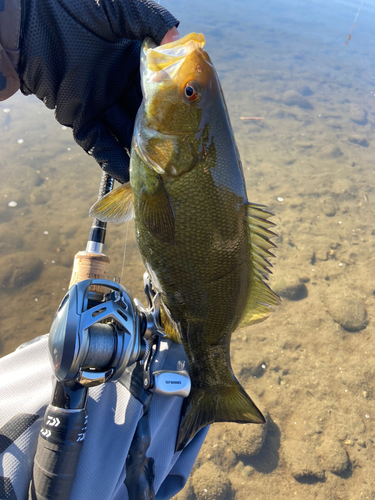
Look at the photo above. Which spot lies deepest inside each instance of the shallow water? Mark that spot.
(310, 160)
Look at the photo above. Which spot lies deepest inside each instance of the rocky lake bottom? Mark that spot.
(310, 367)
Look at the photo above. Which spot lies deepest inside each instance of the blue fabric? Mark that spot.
(25, 387)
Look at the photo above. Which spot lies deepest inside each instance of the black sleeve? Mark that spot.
(81, 57)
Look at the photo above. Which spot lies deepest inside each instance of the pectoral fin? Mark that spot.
(155, 210)
(116, 206)
(261, 298)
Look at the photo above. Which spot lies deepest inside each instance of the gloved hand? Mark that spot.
(81, 57)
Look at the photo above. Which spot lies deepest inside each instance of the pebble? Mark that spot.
(349, 312)
(301, 460)
(329, 207)
(247, 471)
(30, 177)
(303, 146)
(332, 457)
(358, 114)
(40, 196)
(34, 178)
(12, 204)
(19, 269)
(305, 90)
(336, 153)
(223, 456)
(294, 98)
(254, 367)
(210, 483)
(360, 141)
(276, 113)
(239, 467)
(291, 288)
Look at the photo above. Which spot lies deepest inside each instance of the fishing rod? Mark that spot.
(98, 331)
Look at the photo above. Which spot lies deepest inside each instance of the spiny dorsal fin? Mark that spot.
(116, 206)
(261, 298)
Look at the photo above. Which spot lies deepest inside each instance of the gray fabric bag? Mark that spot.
(25, 390)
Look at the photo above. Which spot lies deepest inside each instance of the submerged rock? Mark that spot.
(247, 439)
(305, 90)
(336, 152)
(360, 141)
(210, 483)
(40, 196)
(291, 288)
(294, 98)
(329, 207)
(19, 269)
(301, 460)
(30, 177)
(358, 114)
(276, 113)
(333, 457)
(349, 312)
(254, 367)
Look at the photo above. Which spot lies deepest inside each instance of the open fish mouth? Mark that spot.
(162, 63)
(163, 74)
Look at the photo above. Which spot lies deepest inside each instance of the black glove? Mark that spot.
(81, 57)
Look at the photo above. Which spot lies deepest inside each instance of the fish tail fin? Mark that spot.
(202, 408)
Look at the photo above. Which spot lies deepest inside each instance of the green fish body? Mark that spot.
(203, 244)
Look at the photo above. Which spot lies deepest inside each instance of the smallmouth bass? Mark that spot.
(205, 247)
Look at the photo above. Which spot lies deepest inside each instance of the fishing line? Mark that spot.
(123, 258)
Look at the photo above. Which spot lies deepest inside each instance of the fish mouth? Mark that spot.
(161, 72)
(164, 61)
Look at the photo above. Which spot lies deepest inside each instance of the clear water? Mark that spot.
(310, 160)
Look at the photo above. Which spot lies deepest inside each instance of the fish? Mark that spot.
(205, 247)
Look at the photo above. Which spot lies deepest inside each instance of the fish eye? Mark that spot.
(191, 91)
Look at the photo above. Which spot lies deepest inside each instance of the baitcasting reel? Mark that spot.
(99, 330)
(94, 335)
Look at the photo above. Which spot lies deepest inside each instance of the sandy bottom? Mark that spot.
(311, 366)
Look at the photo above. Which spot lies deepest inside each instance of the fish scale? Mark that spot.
(203, 244)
